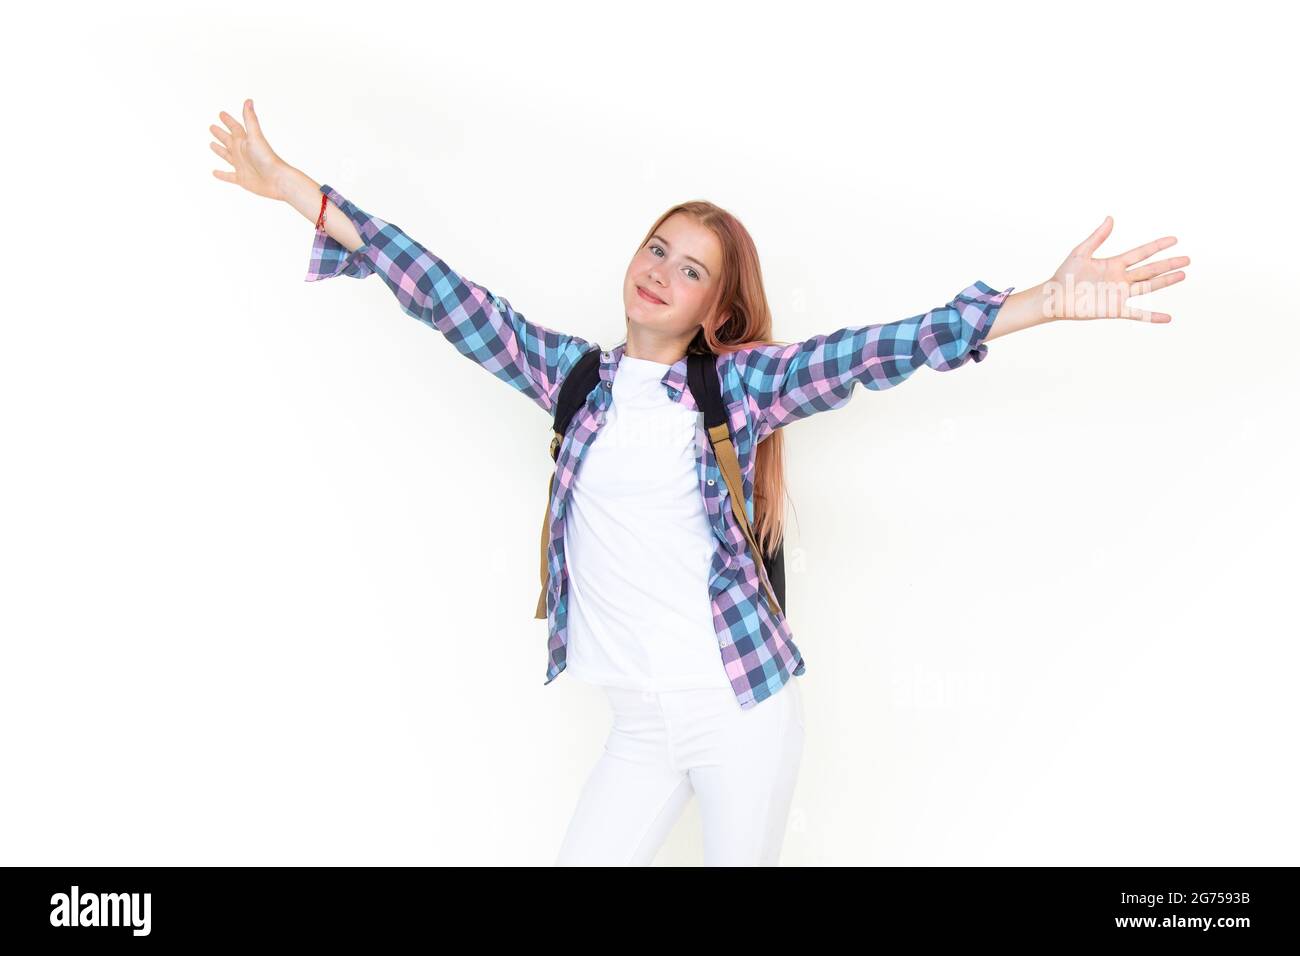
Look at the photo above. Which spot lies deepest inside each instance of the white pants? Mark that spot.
(665, 747)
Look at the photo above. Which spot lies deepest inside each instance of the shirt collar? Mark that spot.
(674, 379)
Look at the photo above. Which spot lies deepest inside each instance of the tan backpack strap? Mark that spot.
(546, 534)
(725, 452)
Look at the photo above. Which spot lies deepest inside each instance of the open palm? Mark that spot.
(1088, 288)
(257, 167)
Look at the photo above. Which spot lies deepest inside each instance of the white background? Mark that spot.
(268, 549)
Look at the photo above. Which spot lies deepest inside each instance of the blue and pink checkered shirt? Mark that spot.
(764, 388)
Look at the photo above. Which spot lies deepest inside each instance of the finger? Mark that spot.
(1142, 288)
(219, 134)
(1089, 245)
(1155, 268)
(1142, 315)
(1134, 256)
(225, 177)
(232, 124)
(222, 152)
(251, 118)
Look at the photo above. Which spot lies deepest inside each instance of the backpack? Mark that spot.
(705, 388)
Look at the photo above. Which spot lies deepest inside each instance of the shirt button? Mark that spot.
(609, 384)
(604, 355)
(710, 481)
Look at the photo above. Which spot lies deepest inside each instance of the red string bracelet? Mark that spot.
(320, 220)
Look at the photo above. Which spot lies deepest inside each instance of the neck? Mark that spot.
(652, 347)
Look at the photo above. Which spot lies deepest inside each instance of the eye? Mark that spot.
(653, 246)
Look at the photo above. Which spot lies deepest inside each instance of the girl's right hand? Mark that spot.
(257, 168)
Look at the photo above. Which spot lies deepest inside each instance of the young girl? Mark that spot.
(651, 585)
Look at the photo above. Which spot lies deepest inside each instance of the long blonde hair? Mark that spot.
(739, 317)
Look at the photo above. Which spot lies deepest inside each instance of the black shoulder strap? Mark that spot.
(575, 388)
(702, 377)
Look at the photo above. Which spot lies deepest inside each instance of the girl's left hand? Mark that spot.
(1088, 288)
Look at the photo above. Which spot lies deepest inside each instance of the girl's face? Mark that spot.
(671, 279)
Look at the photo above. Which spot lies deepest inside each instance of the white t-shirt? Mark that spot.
(638, 544)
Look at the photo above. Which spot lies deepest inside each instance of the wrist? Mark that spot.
(1022, 310)
(1039, 305)
(287, 181)
(299, 191)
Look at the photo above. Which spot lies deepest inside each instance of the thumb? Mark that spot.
(1089, 245)
(250, 118)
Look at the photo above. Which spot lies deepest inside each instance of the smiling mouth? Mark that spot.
(649, 297)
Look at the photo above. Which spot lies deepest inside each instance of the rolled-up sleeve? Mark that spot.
(788, 382)
(329, 257)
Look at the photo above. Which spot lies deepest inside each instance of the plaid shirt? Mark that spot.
(764, 388)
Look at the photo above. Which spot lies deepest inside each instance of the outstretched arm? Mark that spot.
(788, 382)
(480, 325)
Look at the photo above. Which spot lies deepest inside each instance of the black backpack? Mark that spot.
(702, 379)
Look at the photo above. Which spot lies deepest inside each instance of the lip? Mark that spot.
(650, 297)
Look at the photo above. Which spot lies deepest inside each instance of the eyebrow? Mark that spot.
(688, 258)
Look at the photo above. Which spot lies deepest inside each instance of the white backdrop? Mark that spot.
(269, 548)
